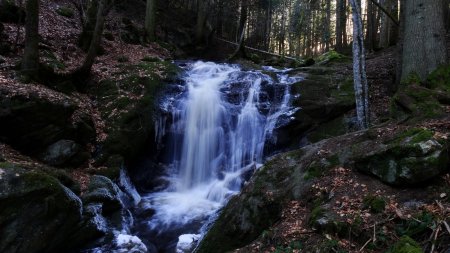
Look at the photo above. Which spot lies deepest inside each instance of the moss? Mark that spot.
(332, 56)
(440, 79)
(314, 170)
(413, 135)
(316, 213)
(415, 227)
(374, 203)
(405, 245)
(65, 11)
(329, 129)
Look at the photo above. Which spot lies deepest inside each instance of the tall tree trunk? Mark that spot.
(424, 45)
(371, 29)
(201, 20)
(103, 9)
(150, 18)
(359, 67)
(328, 25)
(30, 60)
(240, 50)
(89, 21)
(339, 26)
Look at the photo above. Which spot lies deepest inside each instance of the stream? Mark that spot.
(215, 129)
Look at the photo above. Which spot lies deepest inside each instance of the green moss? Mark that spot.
(413, 135)
(415, 227)
(313, 171)
(440, 79)
(405, 245)
(332, 56)
(374, 203)
(412, 78)
(65, 11)
(150, 59)
(316, 213)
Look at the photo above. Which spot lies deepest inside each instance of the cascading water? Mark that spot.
(215, 132)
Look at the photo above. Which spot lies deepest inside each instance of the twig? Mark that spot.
(436, 233)
(374, 235)
(365, 244)
(447, 226)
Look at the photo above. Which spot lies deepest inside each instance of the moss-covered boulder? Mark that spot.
(412, 157)
(56, 212)
(35, 118)
(102, 190)
(260, 203)
(128, 105)
(323, 103)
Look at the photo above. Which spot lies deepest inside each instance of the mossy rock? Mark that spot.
(331, 56)
(56, 211)
(421, 100)
(405, 245)
(102, 190)
(410, 158)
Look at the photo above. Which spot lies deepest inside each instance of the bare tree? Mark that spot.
(359, 67)
(30, 60)
(150, 19)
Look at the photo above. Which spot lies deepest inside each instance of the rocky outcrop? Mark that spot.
(403, 158)
(411, 158)
(39, 124)
(56, 212)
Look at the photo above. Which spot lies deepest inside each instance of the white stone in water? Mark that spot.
(186, 243)
(129, 243)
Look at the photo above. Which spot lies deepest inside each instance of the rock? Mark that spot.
(128, 243)
(56, 212)
(102, 190)
(32, 122)
(411, 158)
(61, 152)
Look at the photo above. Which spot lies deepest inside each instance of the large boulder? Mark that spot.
(56, 212)
(35, 119)
(413, 157)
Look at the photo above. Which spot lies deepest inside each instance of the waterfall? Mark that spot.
(215, 129)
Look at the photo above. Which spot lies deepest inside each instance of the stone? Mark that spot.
(60, 152)
(56, 212)
(102, 190)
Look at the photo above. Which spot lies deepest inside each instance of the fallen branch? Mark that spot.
(365, 244)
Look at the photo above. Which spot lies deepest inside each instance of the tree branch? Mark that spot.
(386, 12)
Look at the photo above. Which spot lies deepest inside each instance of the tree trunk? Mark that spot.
(240, 50)
(327, 25)
(150, 17)
(201, 20)
(424, 45)
(88, 25)
(103, 9)
(359, 67)
(30, 60)
(371, 29)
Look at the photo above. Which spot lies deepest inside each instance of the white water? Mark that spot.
(218, 131)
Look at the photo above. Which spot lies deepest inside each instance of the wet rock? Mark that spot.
(56, 211)
(102, 190)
